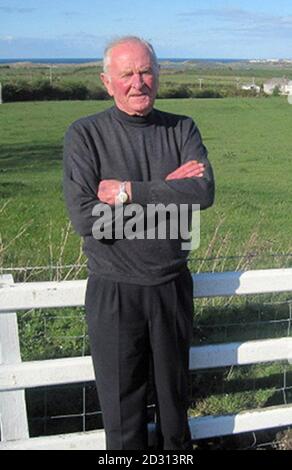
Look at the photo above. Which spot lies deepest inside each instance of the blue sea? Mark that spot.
(94, 59)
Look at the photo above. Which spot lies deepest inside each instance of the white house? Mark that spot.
(283, 84)
(251, 87)
(288, 88)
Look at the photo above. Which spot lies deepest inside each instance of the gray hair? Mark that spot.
(122, 40)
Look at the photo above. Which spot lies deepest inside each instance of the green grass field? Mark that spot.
(250, 146)
(249, 143)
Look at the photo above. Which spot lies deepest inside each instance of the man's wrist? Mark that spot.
(128, 188)
(124, 194)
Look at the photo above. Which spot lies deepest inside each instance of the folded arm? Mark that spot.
(109, 189)
(191, 183)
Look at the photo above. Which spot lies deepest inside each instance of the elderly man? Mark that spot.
(139, 302)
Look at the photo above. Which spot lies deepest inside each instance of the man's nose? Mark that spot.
(137, 80)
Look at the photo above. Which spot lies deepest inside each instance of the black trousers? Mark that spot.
(129, 327)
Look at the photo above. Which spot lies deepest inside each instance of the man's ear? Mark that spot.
(107, 83)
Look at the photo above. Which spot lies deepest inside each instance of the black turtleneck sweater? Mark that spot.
(143, 150)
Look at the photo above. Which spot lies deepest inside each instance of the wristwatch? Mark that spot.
(122, 196)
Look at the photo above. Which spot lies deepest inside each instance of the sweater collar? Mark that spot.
(133, 120)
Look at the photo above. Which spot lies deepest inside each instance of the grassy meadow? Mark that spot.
(250, 146)
(249, 143)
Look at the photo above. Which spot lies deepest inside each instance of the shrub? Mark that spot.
(175, 91)
(97, 93)
(276, 91)
(19, 91)
(207, 94)
(44, 90)
(73, 91)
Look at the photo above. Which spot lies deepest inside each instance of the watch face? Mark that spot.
(123, 197)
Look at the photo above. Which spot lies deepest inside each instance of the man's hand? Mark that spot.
(109, 189)
(187, 170)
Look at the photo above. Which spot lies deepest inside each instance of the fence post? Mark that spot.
(13, 416)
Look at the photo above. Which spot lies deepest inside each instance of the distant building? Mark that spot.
(282, 84)
(251, 87)
(289, 88)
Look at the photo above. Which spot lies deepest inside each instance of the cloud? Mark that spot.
(240, 16)
(80, 44)
(230, 24)
(16, 10)
(226, 13)
(6, 38)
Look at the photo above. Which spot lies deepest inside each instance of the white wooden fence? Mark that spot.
(16, 376)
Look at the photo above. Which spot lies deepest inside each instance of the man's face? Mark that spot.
(132, 79)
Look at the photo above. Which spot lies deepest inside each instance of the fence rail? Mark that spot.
(16, 376)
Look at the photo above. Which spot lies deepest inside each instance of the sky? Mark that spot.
(176, 28)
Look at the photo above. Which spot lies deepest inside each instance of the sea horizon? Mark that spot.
(69, 60)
